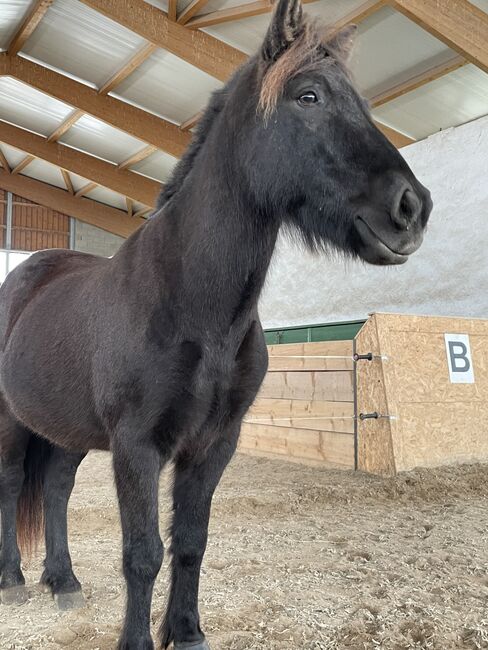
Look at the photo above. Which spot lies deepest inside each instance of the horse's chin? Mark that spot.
(373, 248)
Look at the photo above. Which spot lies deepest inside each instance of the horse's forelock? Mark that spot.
(307, 52)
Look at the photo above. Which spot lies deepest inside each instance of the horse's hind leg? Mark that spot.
(195, 480)
(13, 444)
(58, 576)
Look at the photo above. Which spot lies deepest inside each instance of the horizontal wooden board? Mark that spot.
(302, 414)
(310, 386)
(326, 446)
(300, 356)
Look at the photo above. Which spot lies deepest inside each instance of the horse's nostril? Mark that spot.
(407, 209)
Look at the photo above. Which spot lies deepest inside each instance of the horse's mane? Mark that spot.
(185, 164)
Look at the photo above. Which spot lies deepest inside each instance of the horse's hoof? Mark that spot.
(73, 600)
(192, 645)
(16, 595)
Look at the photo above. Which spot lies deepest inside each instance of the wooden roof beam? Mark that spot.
(192, 9)
(461, 25)
(143, 125)
(137, 187)
(418, 80)
(29, 24)
(265, 6)
(4, 162)
(128, 68)
(172, 10)
(205, 52)
(87, 210)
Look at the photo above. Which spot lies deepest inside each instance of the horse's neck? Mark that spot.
(213, 251)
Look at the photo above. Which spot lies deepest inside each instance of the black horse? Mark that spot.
(157, 353)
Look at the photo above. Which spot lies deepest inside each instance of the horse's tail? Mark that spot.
(30, 508)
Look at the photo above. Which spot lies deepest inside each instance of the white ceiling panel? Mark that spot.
(14, 156)
(108, 197)
(11, 15)
(81, 41)
(45, 172)
(451, 100)
(78, 181)
(168, 86)
(158, 166)
(388, 45)
(22, 105)
(95, 137)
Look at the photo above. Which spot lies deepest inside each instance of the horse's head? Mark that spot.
(311, 152)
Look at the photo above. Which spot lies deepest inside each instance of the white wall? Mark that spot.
(447, 276)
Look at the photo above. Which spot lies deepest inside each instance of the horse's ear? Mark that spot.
(342, 42)
(286, 25)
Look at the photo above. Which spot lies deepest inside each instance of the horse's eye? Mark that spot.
(307, 99)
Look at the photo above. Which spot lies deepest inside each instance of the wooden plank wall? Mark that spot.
(3, 217)
(436, 422)
(304, 411)
(35, 227)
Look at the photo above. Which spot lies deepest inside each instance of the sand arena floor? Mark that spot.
(299, 558)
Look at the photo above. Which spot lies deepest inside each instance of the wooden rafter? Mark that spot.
(87, 210)
(188, 124)
(207, 53)
(4, 162)
(28, 25)
(137, 157)
(67, 181)
(86, 189)
(128, 68)
(172, 9)
(23, 164)
(135, 186)
(130, 206)
(460, 24)
(193, 8)
(265, 6)
(418, 80)
(360, 14)
(395, 137)
(143, 125)
(142, 212)
(66, 125)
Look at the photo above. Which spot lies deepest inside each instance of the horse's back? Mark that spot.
(31, 276)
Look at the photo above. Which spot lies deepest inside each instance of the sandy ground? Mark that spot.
(299, 559)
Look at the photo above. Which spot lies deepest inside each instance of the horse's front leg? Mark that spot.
(195, 481)
(137, 465)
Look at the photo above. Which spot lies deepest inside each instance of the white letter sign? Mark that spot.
(459, 358)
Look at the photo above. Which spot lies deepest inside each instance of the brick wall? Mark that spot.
(89, 239)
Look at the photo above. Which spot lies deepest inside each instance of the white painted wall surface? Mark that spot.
(447, 276)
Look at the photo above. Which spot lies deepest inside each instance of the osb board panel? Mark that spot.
(296, 356)
(434, 436)
(326, 446)
(332, 416)
(323, 386)
(375, 449)
(436, 422)
(420, 370)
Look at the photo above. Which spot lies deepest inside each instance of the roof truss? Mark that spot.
(137, 187)
(87, 210)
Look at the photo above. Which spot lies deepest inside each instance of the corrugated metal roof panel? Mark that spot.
(45, 172)
(14, 156)
(22, 105)
(385, 49)
(158, 166)
(100, 139)
(168, 86)
(79, 40)
(11, 15)
(108, 197)
(451, 100)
